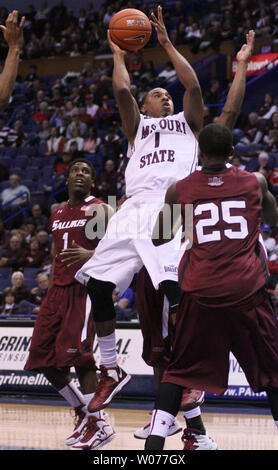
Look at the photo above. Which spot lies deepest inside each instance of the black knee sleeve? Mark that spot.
(173, 293)
(272, 395)
(100, 293)
(169, 398)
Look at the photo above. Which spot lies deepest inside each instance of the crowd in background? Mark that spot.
(52, 120)
(57, 30)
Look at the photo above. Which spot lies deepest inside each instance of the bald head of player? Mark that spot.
(157, 103)
(215, 144)
(80, 180)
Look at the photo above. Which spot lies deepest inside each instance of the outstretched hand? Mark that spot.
(159, 26)
(13, 33)
(247, 49)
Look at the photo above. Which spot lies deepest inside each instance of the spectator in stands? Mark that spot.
(123, 305)
(14, 256)
(15, 196)
(76, 123)
(19, 288)
(149, 72)
(44, 134)
(55, 144)
(111, 145)
(16, 136)
(9, 306)
(268, 240)
(105, 113)
(263, 165)
(75, 137)
(193, 37)
(71, 109)
(38, 219)
(4, 236)
(107, 183)
(4, 172)
(91, 106)
(268, 107)
(213, 96)
(271, 140)
(35, 256)
(237, 162)
(42, 113)
(44, 241)
(62, 163)
(39, 292)
(32, 75)
(92, 141)
(135, 64)
(254, 131)
(4, 131)
(85, 118)
(168, 74)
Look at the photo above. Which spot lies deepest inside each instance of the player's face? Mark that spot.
(80, 179)
(158, 103)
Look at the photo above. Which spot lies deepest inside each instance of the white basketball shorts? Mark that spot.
(127, 246)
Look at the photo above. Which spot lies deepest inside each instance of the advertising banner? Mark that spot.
(258, 63)
(14, 347)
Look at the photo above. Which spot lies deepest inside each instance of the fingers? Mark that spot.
(22, 21)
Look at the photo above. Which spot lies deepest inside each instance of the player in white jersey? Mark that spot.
(162, 147)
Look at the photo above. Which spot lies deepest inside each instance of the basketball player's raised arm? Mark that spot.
(128, 108)
(168, 220)
(193, 105)
(232, 107)
(268, 202)
(13, 34)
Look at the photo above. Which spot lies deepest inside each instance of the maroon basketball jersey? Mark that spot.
(68, 223)
(226, 262)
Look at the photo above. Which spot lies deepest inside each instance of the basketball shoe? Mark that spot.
(193, 440)
(80, 421)
(96, 434)
(112, 380)
(191, 398)
(142, 433)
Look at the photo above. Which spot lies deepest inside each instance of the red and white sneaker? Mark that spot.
(96, 434)
(191, 398)
(142, 433)
(193, 440)
(111, 381)
(80, 421)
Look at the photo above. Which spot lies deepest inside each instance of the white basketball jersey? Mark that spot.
(165, 150)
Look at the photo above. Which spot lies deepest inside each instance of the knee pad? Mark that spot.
(100, 293)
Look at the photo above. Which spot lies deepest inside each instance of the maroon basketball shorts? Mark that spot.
(205, 336)
(63, 333)
(153, 312)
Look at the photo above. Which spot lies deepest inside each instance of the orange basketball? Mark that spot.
(130, 29)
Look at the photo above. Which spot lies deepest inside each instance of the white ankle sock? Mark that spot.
(160, 423)
(107, 348)
(192, 413)
(72, 394)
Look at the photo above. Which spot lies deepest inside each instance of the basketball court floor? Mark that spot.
(37, 424)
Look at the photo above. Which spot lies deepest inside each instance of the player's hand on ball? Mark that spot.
(114, 48)
(159, 26)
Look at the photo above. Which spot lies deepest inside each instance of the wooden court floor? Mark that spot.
(38, 427)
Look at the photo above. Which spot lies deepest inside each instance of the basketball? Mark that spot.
(130, 29)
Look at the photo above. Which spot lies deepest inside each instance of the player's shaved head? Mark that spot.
(216, 141)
